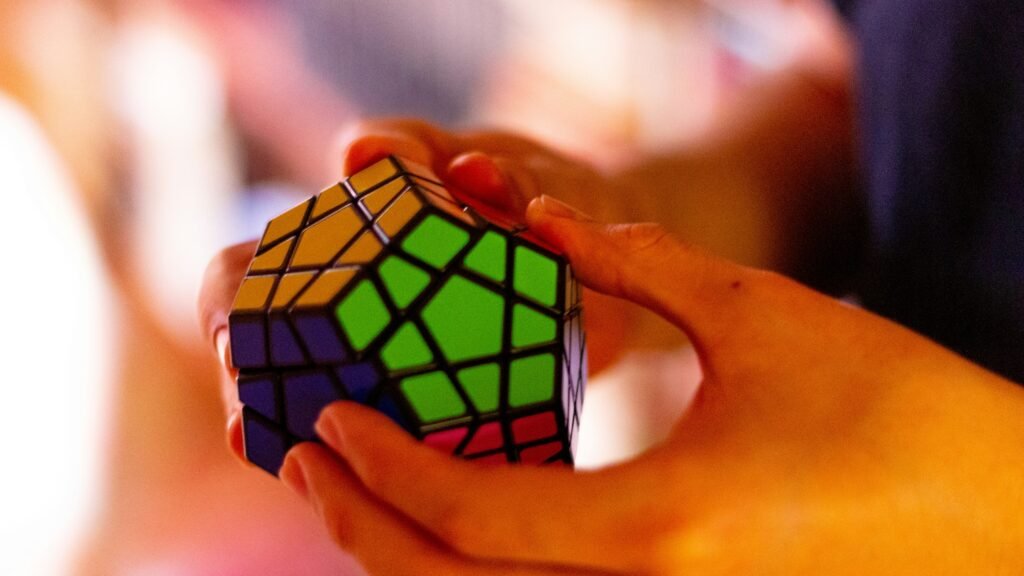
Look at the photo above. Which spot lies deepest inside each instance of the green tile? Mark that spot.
(433, 397)
(362, 315)
(482, 384)
(406, 349)
(404, 281)
(535, 276)
(435, 241)
(530, 327)
(531, 380)
(465, 319)
(488, 256)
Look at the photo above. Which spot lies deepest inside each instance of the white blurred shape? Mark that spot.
(634, 405)
(55, 344)
(170, 98)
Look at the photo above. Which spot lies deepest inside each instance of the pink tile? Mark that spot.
(539, 454)
(446, 440)
(487, 437)
(534, 427)
(492, 460)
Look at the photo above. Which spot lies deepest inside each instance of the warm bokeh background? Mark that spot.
(139, 136)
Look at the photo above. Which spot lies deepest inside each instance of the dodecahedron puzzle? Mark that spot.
(387, 291)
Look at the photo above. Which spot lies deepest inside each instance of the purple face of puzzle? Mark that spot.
(386, 291)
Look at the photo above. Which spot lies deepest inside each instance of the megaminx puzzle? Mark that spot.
(387, 291)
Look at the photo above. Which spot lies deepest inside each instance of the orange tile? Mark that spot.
(400, 213)
(362, 251)
(289, 287)
(320, 243)
(328, 200)
(326, 287)
(369, 177)
(253, 294)
(272, 260)
(286, 224)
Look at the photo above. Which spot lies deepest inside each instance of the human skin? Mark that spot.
(823, 439)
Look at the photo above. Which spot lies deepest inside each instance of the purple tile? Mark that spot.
(359, 380)
(321, 339)
(446, 440)
(305, 395)
(248, 344)
(264, 446)
(257, 392)
(284, 348)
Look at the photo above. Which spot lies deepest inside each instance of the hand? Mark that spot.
(505, 172)
(824, 440)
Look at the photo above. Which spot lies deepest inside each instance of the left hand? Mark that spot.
(825, 440)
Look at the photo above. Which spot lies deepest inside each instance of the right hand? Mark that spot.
(824, 440)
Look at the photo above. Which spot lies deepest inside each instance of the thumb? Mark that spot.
(699, 293)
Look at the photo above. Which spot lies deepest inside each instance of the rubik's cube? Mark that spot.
(387, 291)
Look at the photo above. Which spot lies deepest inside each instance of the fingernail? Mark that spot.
(558, 209)
(293, 476)
(235, 436)
(220, 342)
(327, 428)
(476, 170)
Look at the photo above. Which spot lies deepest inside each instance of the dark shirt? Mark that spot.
(941, 104)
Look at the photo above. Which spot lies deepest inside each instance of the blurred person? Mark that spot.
(174, 503)
(57, 353)
(56, 337)
(129, 474)
(160, 119)
(824, 438)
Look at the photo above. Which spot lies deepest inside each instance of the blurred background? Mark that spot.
(139, 137)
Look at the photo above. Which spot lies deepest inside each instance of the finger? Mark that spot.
(235, 436)
(369, 141)
(220, 284)
(541, 515)
(495, 181)
(707, 297)
(382, 539)
(376, 535)
(503, 143)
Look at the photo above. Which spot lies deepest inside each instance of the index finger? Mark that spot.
(542, 515)
(367, 141)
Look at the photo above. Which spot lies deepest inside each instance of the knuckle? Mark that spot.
(648, 248)
(638, 237)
